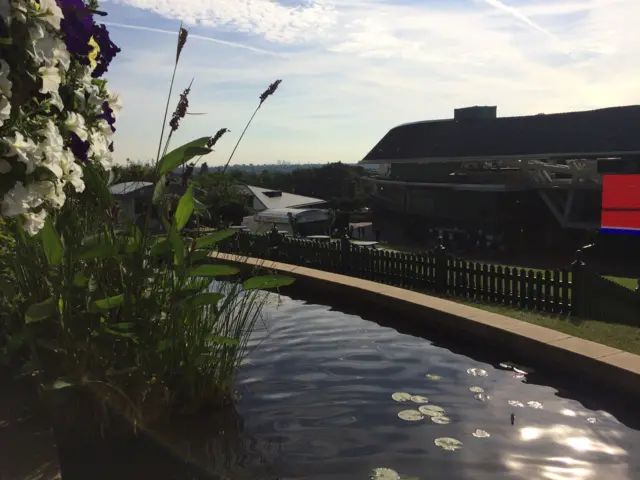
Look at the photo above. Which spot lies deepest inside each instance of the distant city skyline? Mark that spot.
(353, 69)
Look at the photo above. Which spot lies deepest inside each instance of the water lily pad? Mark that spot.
(477, 372)
(533, 404)
(447, 443)
(516, 403)
(419, 399)
(384, 474)
(481, 434)
(441, 419)
(401, 397)
(410, 415)
(477, 389)
(431, 410)
(432, 376)
(482, 397)
(592, 420)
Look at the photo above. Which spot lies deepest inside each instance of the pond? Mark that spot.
(329, 395)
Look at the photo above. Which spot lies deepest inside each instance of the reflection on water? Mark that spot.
(316, 398)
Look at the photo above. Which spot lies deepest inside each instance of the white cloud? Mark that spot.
(371, 65)
(274, 21)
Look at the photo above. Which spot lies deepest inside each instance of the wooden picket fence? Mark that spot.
(551, 291)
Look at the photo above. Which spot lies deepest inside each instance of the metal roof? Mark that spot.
(280, 199)
(126, 188)
(603, 132)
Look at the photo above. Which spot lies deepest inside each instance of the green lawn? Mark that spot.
(624, 337)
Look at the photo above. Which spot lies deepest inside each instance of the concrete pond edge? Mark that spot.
(610, 366)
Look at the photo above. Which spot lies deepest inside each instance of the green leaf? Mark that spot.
(267, 281)
(159, 189)
(183, 154)
(51, 243)
(163, 345)
(39, 311)
(123, 325)
(60, 384)
(223, 340)
(202, 299)
(197, 256)
(177, 244)
(92, 252)
(184, 209)
(213, 238)
(80, 280)
(109, 302)
(211, 271)
(118, 334)
(161, 247)
(95, 183)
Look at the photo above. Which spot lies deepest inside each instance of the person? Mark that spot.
(377, 235)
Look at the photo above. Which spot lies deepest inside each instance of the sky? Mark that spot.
(353, 69)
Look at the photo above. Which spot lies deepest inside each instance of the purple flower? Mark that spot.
(107, 114)
(79, 148)
(108, 50)
(77, 26)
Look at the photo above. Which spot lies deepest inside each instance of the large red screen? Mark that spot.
(621, 204)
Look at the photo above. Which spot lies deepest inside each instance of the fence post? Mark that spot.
(441, 266)
(345, 259)
(579, 293)
(274, 242)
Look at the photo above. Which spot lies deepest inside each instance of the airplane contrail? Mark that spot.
(517, 14)
(514, 12)
(199, 37)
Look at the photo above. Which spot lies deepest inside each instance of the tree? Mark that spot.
(204, 169)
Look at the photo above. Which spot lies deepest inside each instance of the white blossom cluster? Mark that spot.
(39, 138)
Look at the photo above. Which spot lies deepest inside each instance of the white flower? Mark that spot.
(104, 128)
(5, 83)
(99, 149)
(95, 100)
(52, 148)
(79, 94)
(75, 123)
(19, 11)
(15, 201)
(5, 109)
(5, 167)
(5, 10)
(115, 102)
(49, 191)
(34, 222)
(54, 13)
(48, 49)
(23, 148)
(72, 172)
(56, 100)
(50, 79)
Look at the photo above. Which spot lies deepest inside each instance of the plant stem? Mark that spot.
(240, 139)
(166, 113)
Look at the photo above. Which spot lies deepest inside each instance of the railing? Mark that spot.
(569, 291)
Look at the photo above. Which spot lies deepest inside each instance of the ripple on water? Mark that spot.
(323, 381)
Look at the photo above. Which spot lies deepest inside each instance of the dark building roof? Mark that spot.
(589, 133)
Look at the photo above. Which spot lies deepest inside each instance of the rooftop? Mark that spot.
(126, 188)
(276, 199)
(607, 131)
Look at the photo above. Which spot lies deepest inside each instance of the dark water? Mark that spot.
(316, 398)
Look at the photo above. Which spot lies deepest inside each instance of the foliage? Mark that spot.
(56, 113)
(93, 301)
